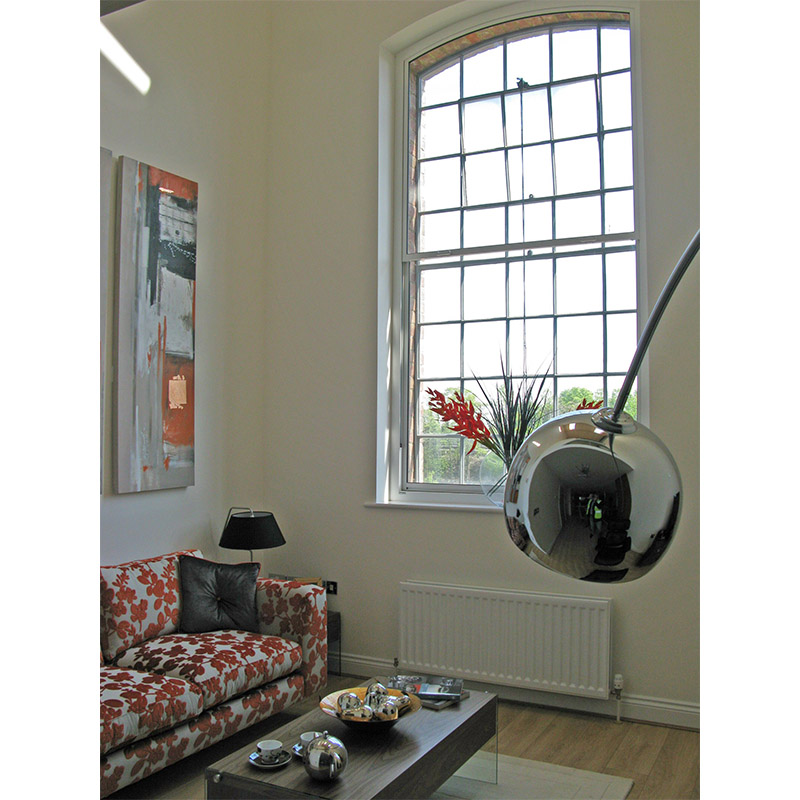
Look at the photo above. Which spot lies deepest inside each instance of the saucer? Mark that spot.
(281, 761)
(297, 750)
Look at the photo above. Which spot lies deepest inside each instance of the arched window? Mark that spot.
(519, 226)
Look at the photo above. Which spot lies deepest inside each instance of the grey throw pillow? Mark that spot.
(217, 597)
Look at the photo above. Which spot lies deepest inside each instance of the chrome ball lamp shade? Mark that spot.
(595, 495)
(251, 530)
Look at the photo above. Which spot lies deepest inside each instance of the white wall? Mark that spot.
(272, 108)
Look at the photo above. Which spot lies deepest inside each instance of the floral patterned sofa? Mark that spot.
(165, 694)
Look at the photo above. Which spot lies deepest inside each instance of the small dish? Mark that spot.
(281, 761)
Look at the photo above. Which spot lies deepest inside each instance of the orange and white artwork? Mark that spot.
(155, 353)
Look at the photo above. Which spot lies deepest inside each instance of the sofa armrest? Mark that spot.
(298, 612)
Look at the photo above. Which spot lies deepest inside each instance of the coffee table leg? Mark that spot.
(483, 766)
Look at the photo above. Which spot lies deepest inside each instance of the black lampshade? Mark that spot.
(251, 530)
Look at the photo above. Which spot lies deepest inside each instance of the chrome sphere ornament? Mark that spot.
(325, 757)
(376, 694)
(348, 701)
(594, 496)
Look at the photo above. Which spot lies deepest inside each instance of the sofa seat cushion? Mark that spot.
(223, 664)
(135, 705)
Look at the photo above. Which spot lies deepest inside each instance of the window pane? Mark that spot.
(537, 178)
(619, 212)
(440, 460)
(574, 109)
(621, 281)
(440, 184)
(574, 53)
(579, 216)
(439, 349)
(577, 166)
(579, 284)
(483, 72)
(614, 386)
(528, 59)
(580, 344)
(532, 282)
(443, 87)
(572, 390)
(485, 291)
(527, 117)
(486, 179)
(484, 347)
(440, 231)
(439, 295)
(615, 49)
(621, 341)
(618, 159)
(531, 345)
(530, 222)
(428, 421)
(485, 226)
(617, 101)
(438, 132)
(483, 125)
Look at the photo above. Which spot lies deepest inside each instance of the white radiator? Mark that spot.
(553, 643)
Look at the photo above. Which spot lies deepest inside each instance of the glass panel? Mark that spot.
(579, 216)
(485, 291)
(572, 390)
(474, 392)
(485, 226)
(537, 179)
(579, 284)
(615, 49)
(619, 212)
(440, 460)
(483, 72)
(438, 132)
(574, 109)
(527, 117)
(484, 347)
(620, 281)
(621, 341)
(439, 295)
(439, 350)
(483, 125)
(440, 184)
(618, 159)
(577, 166)
(428, 421)
(574, 53)
(440, 231)
(486, 179)
(538, 288)
(443, 87)
(617, 101)
(528, 59)
(531, 345)
(580, 344)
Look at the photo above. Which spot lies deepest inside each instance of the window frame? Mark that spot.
(393, 403)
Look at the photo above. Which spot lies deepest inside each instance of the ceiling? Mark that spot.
(108, 6)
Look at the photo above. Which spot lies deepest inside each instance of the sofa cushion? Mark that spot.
(138, 601)
(222, 664)
(217, 597)
(134, 705)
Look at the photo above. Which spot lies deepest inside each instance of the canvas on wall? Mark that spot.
(157, 238)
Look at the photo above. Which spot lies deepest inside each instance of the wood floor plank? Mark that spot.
(519, 726)
(639, 749)
(676, 772)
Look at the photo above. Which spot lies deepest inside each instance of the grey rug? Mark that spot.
(521, 779)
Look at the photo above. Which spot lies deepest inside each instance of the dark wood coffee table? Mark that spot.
(410, 759)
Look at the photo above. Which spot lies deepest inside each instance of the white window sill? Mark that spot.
(436, 506)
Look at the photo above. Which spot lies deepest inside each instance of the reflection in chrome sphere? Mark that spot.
(591, 504)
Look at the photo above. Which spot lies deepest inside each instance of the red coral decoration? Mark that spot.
(588, 404)
(466, 420)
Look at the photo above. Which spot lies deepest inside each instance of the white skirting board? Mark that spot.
(638, 708)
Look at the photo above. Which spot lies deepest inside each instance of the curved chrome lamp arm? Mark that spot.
(611, 421)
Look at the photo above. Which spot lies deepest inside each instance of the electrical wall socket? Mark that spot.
(331, 587)
(618, 681)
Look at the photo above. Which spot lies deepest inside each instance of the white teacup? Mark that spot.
(269, 749)
(306, 739)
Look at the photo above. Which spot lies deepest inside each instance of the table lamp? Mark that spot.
(253, 530)
(594, 494)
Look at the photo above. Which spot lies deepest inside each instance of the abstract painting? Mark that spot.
(157, 238)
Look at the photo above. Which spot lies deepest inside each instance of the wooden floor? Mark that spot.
(663, 762)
